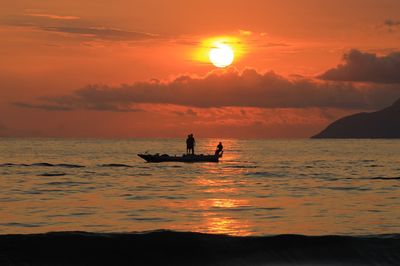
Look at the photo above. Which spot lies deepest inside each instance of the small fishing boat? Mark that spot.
(186, 158)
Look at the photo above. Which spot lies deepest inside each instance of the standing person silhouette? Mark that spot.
(188, 144)
(192, 143)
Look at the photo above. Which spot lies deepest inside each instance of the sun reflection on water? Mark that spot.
(223, 203)
(220, 180)
(216, 185)
(226, 225)
(218, 223)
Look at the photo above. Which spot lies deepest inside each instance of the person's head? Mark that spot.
(220, 143)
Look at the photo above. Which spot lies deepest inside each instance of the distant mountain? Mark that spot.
(381, 124)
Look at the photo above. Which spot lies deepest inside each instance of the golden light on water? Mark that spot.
(217, 222)
(227, 203)
(227, 225)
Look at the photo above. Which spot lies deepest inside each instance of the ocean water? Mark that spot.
(260, 187)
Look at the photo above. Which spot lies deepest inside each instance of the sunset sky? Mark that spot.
(128, 68)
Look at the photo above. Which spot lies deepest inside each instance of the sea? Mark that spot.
(259, 187)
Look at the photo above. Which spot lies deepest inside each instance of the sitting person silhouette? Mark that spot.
(219, 151)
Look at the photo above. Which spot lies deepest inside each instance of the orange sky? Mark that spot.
(63, 65)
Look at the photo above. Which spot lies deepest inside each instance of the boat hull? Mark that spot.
(184, 159)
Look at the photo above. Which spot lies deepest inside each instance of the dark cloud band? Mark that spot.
(227, 88)
(366, 67)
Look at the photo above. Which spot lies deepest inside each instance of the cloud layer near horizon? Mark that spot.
(226, 88)
(366, 67)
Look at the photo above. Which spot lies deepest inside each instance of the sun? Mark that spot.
(221, 51)
(221, 55)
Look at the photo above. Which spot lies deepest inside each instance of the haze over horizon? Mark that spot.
(141, 69)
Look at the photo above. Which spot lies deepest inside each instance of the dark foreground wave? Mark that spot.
(179, 248)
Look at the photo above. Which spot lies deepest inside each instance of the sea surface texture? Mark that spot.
(310, 187)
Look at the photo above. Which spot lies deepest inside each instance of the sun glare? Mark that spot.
(221, 55)
(221, 51)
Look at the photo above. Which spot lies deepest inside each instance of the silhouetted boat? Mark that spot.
(186, 158)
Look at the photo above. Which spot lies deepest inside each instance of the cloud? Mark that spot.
(73, 25)
(188, 112)
(226, 88)
(47, 107)
(52, 16)
(273, 44)
(392, 24)
(111, 34)
(366, 67)
(245, 32)
(70, 106)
